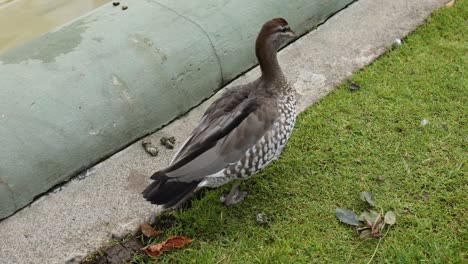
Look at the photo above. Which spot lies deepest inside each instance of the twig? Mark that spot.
(374, 231)
(377, 247)
(362, 228)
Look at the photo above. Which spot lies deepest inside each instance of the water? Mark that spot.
(23, 20)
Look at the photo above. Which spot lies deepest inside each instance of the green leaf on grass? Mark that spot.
(381, 226)
(367, 197)
(369, 216)
(347, 216)
(390, 218)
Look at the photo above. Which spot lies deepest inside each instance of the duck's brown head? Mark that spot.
(275, 32)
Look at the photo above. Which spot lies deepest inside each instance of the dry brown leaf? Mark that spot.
(154, 250)
(449, 4)
(176, 242)
(148, 231)
(171, 243)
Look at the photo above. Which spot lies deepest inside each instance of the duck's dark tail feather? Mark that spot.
(169, 193)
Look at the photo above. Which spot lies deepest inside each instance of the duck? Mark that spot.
(239, 134)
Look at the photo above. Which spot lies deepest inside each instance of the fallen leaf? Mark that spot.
(347, 216)
(377, 221)
(375, 230)
(176, 242)
(367, 197)
(449, 4)
(171, 243)
(381, 226)
(153, 250)
(369, 217)
(148, 231)
(390, 218)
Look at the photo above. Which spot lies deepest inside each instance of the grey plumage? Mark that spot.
(239, 134)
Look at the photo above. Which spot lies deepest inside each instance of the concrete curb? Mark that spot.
(86, 90)
(105, 201)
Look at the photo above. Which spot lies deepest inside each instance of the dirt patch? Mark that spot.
(118, 253)
(123, 251)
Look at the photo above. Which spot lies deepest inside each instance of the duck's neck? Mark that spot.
(266, 55)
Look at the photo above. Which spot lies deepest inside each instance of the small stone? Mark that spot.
(424, 122)
(115, 3)
(353, 86)
(262, 219)
(148, 146)
(124, 7)
(168, 142)
(398, 42)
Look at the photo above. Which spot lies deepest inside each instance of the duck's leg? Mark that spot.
(235, 195)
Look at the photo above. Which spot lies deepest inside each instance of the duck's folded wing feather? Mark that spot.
(219, 109)
(222, 139)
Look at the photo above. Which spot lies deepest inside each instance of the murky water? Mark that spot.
(23, 20)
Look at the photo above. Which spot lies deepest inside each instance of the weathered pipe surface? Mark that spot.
(84, 91)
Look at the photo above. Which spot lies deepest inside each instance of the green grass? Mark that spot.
(354, 141)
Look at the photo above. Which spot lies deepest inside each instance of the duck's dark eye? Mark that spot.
(284, 29)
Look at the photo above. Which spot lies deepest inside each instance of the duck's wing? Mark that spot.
(230, 126)
(219, 109)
